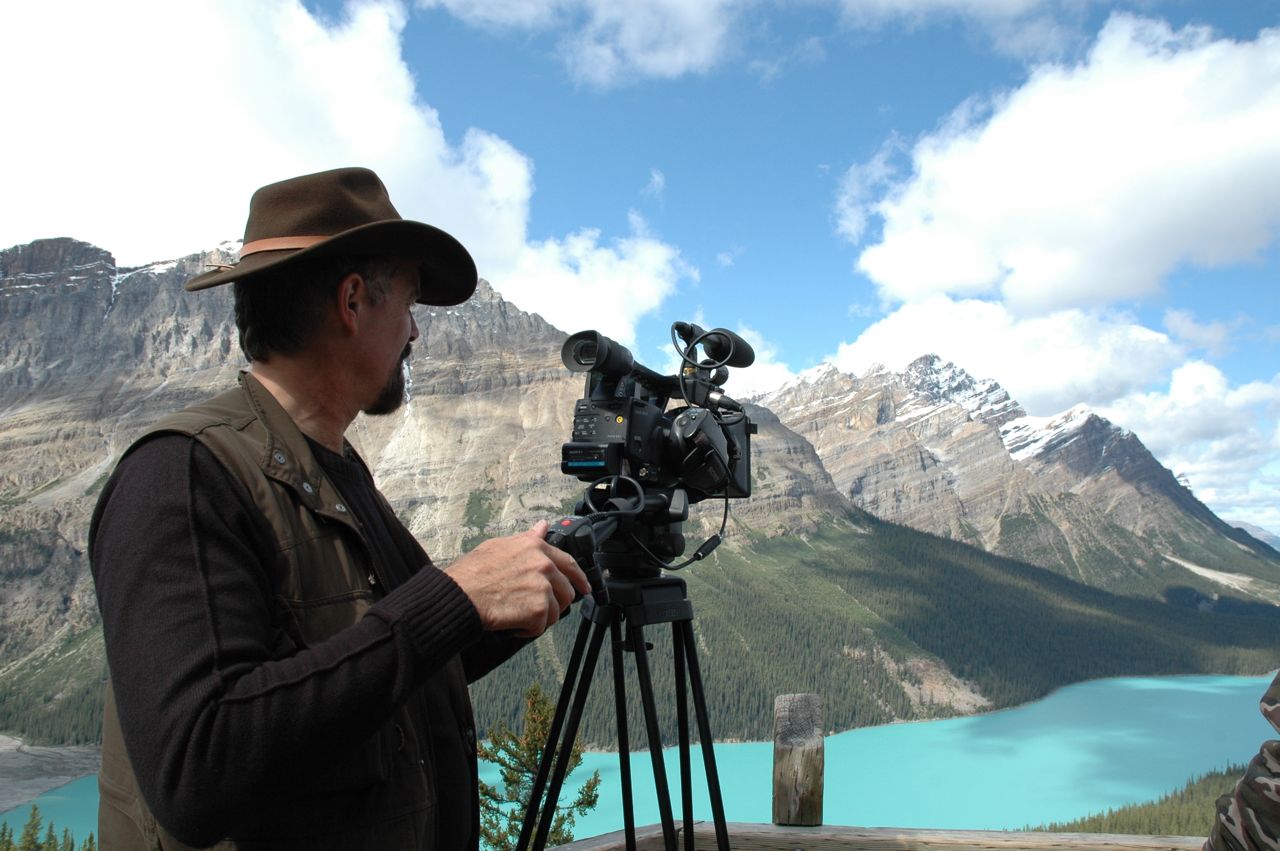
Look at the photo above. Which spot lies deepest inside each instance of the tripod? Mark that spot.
(640, 601)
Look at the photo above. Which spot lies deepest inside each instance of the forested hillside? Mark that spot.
(841, 611)
(1188, 811)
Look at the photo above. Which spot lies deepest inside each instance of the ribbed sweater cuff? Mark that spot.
(435, 613)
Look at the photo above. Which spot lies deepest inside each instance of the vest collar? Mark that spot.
(288, 458)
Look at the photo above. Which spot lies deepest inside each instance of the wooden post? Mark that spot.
(799, 760)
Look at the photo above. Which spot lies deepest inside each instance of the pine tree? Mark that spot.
(50, 839)
(30, 838)
(89, 843)
(68, 841)
(517, 756)
(6, 837)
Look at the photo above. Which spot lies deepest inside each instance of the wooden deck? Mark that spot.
(768, 837)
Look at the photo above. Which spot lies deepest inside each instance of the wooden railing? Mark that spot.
(772, 837)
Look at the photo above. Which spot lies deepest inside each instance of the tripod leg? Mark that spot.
(682, 725)
(704, 736)
(655, 737)
(553, 734)
(570, 735)
(624, 736)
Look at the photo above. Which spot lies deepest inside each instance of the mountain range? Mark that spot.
(937, 450)
(914, 546)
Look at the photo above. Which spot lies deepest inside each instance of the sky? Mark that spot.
(1078, 199)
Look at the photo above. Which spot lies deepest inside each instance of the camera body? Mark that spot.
(621, 426)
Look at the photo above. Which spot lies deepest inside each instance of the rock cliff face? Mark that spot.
(91, 354)
(937, 450)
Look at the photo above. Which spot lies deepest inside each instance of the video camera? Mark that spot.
(646, 464)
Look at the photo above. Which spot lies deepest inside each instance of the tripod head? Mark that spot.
(623, 531)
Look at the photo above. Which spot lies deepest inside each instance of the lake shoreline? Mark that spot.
(29, 771)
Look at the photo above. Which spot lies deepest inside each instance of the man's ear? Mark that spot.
(349, 300)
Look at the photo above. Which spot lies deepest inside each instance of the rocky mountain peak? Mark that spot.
(934, 448)
(942, 382)
(28, 265)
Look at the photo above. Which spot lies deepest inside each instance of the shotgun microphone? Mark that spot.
(720, 344)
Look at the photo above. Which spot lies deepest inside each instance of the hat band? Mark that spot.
(280, 243)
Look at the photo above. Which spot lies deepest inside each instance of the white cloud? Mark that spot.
(576, 283)
(515, 14)
(606, 42)
(1019, 28)
(870, 10)
(1048, 363)
(148, 124)
(808, 52)
(860, 186)
(727, 258)
(656, 186)
(1215, 338)
(1091, 182)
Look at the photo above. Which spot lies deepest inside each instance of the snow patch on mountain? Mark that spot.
(813, 375)
(1027, 437)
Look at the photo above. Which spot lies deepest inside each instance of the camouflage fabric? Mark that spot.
(1249, 818)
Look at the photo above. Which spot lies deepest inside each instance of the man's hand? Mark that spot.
(519, 583)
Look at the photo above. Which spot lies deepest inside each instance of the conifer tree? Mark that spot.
(50, 839)
(89, 843)
(6, 837)
(30, 838)
(68, 841)
(517, 756)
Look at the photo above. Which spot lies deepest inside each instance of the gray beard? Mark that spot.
(392, 395)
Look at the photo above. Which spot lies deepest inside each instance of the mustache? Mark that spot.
(408, 350)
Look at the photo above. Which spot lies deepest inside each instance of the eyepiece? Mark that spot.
(584, 353)
(589, 351)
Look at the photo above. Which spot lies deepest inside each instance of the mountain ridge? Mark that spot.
(948, 454)
(475, 453)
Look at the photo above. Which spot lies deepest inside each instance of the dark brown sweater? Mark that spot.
(177, 554)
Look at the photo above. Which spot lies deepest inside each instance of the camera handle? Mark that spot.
(578, 537)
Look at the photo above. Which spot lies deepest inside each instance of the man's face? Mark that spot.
(394, 331)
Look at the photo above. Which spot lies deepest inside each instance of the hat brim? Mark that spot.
(448, 272)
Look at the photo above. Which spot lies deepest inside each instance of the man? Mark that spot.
(288, 669)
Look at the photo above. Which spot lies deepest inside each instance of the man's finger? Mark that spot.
(562, 588)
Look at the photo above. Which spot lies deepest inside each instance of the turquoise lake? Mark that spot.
(1083, 749)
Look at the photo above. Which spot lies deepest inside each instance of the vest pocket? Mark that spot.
(311, 621)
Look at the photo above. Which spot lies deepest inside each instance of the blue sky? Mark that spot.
(1078, 199)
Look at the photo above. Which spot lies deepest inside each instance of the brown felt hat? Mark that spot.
(344, 212)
